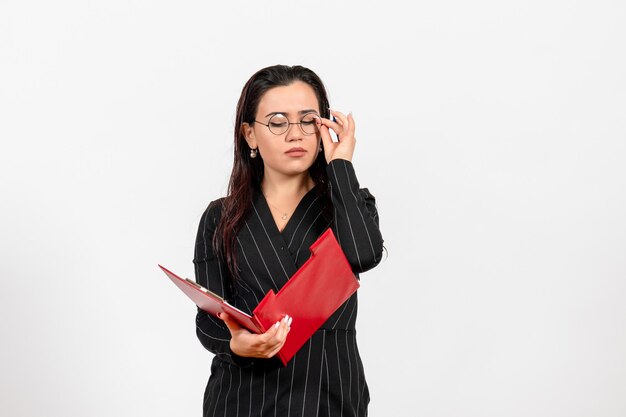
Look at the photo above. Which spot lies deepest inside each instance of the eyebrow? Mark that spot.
(284, 112)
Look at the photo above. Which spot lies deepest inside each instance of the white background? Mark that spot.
(492, 134)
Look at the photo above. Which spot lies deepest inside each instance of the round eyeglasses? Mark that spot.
(279, 124)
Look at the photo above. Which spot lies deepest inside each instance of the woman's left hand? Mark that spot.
(344, 128)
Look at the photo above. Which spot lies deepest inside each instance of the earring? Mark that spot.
(253, 152)
(321, 149)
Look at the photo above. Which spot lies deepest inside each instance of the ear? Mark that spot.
(248, 133)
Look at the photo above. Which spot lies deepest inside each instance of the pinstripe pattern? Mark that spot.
(325, 378)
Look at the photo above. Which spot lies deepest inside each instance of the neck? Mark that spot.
(282, 187)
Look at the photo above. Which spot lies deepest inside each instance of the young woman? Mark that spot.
(290, 182)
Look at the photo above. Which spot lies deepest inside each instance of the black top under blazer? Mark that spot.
(325, 377)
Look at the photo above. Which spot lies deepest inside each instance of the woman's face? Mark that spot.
(292, 101)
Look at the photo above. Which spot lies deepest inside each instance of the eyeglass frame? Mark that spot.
(288, 123)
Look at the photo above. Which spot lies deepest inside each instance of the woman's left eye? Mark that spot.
(309, 119)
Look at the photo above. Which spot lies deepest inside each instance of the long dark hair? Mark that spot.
(247, 172)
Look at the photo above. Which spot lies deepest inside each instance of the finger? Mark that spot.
(345, 123)
(272, 332)
(275, 349)
(284, 329)
(232, 325)
(351, 127)
(268, 338)
(341, 118)
(281, 333)
(331, 124)
(326, 139)
(328, 125)
(335, 116)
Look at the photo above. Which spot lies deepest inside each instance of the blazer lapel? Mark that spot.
(274, 250)
(269, 258)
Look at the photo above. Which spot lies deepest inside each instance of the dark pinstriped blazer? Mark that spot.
(326, 376)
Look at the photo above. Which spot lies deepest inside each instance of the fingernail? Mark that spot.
(277, 324)
(290, 320)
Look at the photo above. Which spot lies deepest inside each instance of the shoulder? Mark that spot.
(215, 207)
(213, 213)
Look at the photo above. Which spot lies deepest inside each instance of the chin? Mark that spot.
(297, 167)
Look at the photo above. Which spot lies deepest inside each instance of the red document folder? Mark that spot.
(311, 296)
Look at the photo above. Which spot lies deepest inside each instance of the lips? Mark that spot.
(296, 150)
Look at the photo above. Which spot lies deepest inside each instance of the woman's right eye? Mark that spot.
(278, 124)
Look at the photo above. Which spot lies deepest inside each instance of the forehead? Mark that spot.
(289, 99)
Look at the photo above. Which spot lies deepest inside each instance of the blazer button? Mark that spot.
(282, 248)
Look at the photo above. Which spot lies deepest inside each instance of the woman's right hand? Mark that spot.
(247, 344)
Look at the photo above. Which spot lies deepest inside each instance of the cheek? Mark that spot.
(267, 147)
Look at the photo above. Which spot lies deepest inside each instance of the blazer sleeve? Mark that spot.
(356, 224)
(211, 273)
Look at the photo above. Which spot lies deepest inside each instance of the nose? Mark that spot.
(294, 132)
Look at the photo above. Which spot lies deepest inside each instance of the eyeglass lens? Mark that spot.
(279, 123)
